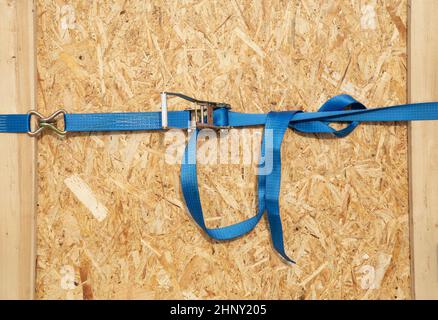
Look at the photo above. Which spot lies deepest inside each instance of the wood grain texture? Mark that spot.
(111, 220)
(423, 148)
(17, 162)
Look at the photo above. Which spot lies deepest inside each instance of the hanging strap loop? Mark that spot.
(269, 179)
(219, 115)
(275, 128)
(190, 189)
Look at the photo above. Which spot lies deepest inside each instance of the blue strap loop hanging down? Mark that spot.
(276, 125)
(268, 185)
(341, 108)
(190, 189)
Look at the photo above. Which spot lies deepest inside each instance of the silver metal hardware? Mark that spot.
(43, 122)
(201, 115)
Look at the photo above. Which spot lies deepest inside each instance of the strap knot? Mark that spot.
(338, 103)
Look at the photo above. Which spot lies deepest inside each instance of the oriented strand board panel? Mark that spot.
(112, 222)
(18, 160)
(423, 86)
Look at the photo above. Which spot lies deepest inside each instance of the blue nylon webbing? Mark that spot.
(14, 123)
(123, 121)
(276, 123)
(189, 183)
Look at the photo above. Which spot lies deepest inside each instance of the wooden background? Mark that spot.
(111, 219)
(423, 86)
(18, 159)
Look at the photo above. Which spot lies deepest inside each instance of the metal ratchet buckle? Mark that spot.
(201, 115)
(43, 122)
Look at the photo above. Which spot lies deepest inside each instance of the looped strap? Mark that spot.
(342, 108)
(190, 189)
(269, 179)
(338, 103)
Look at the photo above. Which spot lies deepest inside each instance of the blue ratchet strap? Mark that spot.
(124, 121)
(341, 108)
(189, 183)
(14, 123)
(276, 125)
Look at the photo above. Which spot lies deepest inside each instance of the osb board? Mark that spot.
(111, 219)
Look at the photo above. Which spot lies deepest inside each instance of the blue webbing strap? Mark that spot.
(268, 185)
(14, 123)
(189, 184)
(124, 121)
(276, 123)
(312, 122)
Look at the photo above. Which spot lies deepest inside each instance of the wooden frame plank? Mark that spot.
(17, 162)
(423, 148)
